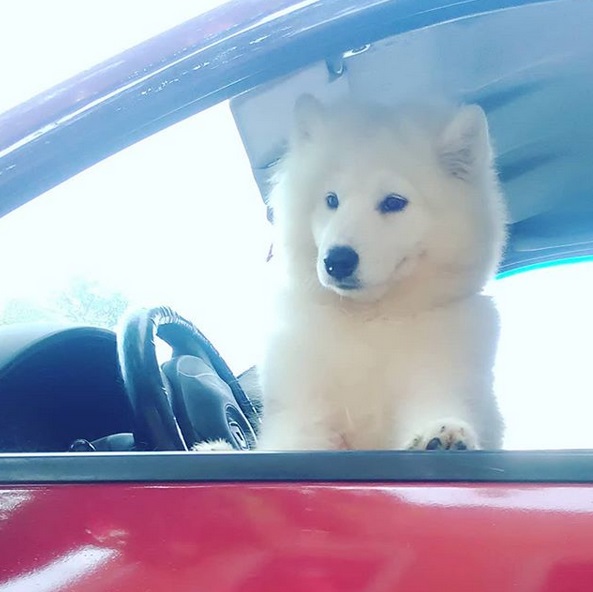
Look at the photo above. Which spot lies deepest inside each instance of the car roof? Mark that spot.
(526, 62)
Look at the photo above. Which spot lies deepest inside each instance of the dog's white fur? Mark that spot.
(407, 356)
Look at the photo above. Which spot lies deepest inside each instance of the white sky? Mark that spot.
(178, 220)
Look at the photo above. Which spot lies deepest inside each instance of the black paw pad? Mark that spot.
(438, 444)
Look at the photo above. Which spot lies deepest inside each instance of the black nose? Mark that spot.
(341, 262)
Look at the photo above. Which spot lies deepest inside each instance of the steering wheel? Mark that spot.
(192, 398)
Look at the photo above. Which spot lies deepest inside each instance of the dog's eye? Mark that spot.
(332, 201)
(393, 203)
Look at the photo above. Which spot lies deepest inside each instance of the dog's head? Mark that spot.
(368, 195)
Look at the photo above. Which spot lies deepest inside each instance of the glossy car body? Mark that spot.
(348, 521)
(323, 537)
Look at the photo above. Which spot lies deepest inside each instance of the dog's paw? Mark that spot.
(212, 446)
(446, 434)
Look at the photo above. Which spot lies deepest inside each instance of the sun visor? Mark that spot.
(264, 116)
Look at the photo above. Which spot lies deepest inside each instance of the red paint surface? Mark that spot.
(289, 538)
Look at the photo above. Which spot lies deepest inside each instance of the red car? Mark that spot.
(98, 488)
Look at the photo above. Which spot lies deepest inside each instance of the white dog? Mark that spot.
(389, 223)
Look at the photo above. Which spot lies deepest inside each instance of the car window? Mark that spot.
(544, 381)
(175, 220)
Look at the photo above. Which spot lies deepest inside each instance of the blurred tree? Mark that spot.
(20, 310)
(83, 301)
(87, 302)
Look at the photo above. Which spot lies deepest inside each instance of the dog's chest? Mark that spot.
(370, 366)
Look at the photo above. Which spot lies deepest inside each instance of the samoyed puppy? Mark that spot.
(389, 222)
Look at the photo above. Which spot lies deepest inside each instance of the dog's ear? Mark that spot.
(308, 115)
(464, 145)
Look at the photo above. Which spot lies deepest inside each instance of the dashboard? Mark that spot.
(58, 384)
